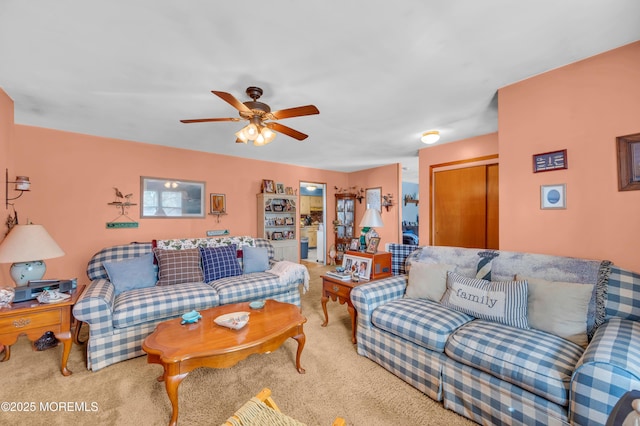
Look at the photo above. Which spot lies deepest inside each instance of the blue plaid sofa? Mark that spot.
(119, 324)
(496, 374)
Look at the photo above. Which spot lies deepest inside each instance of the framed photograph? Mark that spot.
(355, 244)
(628, 162)
(268, 186)
(372, 247)
(374, 198)
(359, 265)
(288, 190)
(171, 198)
(217, 203)
(276, 236)
(553, 196)
(548, 161)
(280, 188)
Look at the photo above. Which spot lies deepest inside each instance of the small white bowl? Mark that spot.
(234, 320)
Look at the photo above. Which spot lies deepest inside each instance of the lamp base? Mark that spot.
(23, 272)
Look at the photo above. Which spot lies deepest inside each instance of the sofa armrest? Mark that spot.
(95, 307)
(367, 297)
(608, 368)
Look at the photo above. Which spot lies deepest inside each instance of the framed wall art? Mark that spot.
(549, 161)
(171, 198)
(553, 196)
(628, 148)
(279, 188)
(374, 198)
(217, 203)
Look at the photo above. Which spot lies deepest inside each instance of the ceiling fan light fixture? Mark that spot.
(242, 138)
(430, 137)
(251, 131)
(268, 135)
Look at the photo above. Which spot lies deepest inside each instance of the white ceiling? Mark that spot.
(380, 72)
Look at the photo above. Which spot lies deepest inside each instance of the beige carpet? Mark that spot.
(337, 382)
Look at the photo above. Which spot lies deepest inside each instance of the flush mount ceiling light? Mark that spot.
(312, 187)
(432, 136)
(259, 130)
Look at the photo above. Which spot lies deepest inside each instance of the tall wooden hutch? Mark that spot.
(344, 224)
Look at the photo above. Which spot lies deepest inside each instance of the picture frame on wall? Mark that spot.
(361, 266)
(553, 196)
(268, 187)
(549, 161)
(628, 150)
(164, 198)
(217, 203)
(373, 197)
(372, 247)
(280, 188)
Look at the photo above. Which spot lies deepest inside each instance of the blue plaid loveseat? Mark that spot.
(119, 324)
(497, 374)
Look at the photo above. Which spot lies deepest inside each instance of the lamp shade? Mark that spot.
(27, 243)
(371, 219)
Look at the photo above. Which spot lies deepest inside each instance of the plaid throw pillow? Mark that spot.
(178, 266)
(220, 262)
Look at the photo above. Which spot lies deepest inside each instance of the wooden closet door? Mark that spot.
(465, 207)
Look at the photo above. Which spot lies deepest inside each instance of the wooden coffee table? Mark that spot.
(182, 348)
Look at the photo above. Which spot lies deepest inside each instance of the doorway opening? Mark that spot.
(313, 229)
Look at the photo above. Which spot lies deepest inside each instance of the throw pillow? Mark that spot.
(220, 262)
(427, 281)
(255, 259)
(178, 266)
(559, 308)
(483, 270)
(130, 274)
(500, 301)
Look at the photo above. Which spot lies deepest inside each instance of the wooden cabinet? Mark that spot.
(344, 226)
(311, 232)
(277, 222)
(305, 205)
(315, 204)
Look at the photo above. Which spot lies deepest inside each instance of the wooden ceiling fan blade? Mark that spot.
(231, 100)
(204, 120)
(286, 130)
(295, 112)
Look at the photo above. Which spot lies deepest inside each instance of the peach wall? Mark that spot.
(73, 176)
(6, 137)
(389, 179)
(463, 150)
(581, 107)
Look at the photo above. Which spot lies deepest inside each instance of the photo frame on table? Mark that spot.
(372, 247)
(268, 187)
(361, 266)
(373, 198)
(628, 148)
(280, 188)
(355, 244)
(548, 161)
(163, 198)
(217, 203)
(553, 196)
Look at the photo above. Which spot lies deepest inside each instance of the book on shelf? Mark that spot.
(344, 276)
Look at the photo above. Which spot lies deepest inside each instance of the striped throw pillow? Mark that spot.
(499, 301)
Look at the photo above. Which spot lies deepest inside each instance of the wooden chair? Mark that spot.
(262, 410)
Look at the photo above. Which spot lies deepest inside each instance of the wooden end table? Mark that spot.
(33, 319)
(338, 290)
(179, 348)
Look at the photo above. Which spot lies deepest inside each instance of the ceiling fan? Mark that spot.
(259, 130)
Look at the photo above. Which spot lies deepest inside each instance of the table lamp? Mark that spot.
(26, 246)
(370, 220)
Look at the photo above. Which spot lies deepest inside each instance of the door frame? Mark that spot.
(324, 213)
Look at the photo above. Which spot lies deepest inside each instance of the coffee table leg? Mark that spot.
(171, 383)
(301, 339)
(324, 308)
